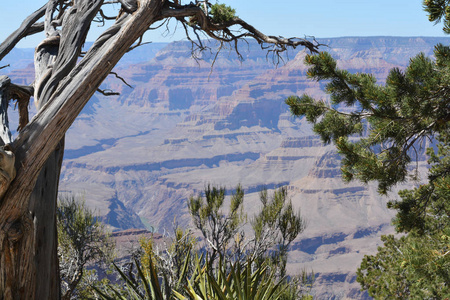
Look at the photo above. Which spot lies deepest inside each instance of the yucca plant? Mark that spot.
(144, 285)
(228, 281)
(231, 281)
(248, 269)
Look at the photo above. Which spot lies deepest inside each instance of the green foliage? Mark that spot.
(222, 13)
(274, 227)
(277, 225)
(379, 130)
(227, 281)
(409, 108)
(141, 285)
(152, 273)
(217, 227)
(418, 264)
(413, 266)
(426, 208)
(82, 240)
(172, 263)
(438, 11)
(233, 281)
(229, 266)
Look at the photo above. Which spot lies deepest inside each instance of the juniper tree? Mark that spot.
(64, 82)
(218, 228)
(82, 240)
(379, 131)
(274, 227)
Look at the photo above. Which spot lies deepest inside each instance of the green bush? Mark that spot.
(229, 265)
(222, 13)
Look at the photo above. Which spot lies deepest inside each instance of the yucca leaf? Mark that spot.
(249, 283)
(144, 278)
(184, 270)
(155, 286)
(178, 295)
(103, 295)
(219, 295)
(127, 280)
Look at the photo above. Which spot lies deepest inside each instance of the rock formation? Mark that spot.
(142, 154)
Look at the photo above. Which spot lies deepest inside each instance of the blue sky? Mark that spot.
(324, 18)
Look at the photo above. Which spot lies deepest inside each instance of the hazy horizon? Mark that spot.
(324, 19)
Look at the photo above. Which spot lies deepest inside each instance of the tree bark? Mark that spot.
(66, 96)
(43, 201)
(28, 240)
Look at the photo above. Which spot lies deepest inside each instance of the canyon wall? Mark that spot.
(138, 157)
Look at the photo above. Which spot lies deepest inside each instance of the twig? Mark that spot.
(107, 92)
(121, 78)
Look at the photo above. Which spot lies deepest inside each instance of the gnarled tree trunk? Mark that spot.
(65, 90)
(28, 258)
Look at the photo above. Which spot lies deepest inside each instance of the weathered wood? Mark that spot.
(28, 264)
(43, 207)
(25, 29)
(77, 20)
(7, 158)
(5, 132)
(39, 138)
(20, 93)
(130, 6)
(43, 199)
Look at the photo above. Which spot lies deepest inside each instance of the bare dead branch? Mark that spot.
(5, 132)
(198, 44)
(35, 28)
(200, 21)
(108, 92)
(23, 31)
(19, 93)
(22, 95)
(74, 32)
(130, 6)
(49, 24)
(121, 78)
(215, 58)
(165, 22)
(105, 16)
(138, 44)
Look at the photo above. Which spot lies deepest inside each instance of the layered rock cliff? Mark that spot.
(138, 157)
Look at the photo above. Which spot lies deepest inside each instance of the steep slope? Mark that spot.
(138, 157)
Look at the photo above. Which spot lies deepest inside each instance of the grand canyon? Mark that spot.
(186, 122)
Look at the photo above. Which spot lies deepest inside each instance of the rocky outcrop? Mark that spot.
(140, 156)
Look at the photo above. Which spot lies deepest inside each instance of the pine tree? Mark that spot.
(379, 131)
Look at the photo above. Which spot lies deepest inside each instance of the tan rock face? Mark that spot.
(137, 158)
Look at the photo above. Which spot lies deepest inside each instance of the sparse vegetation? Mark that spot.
(66, 76)
(228, 266)
(82, 241)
